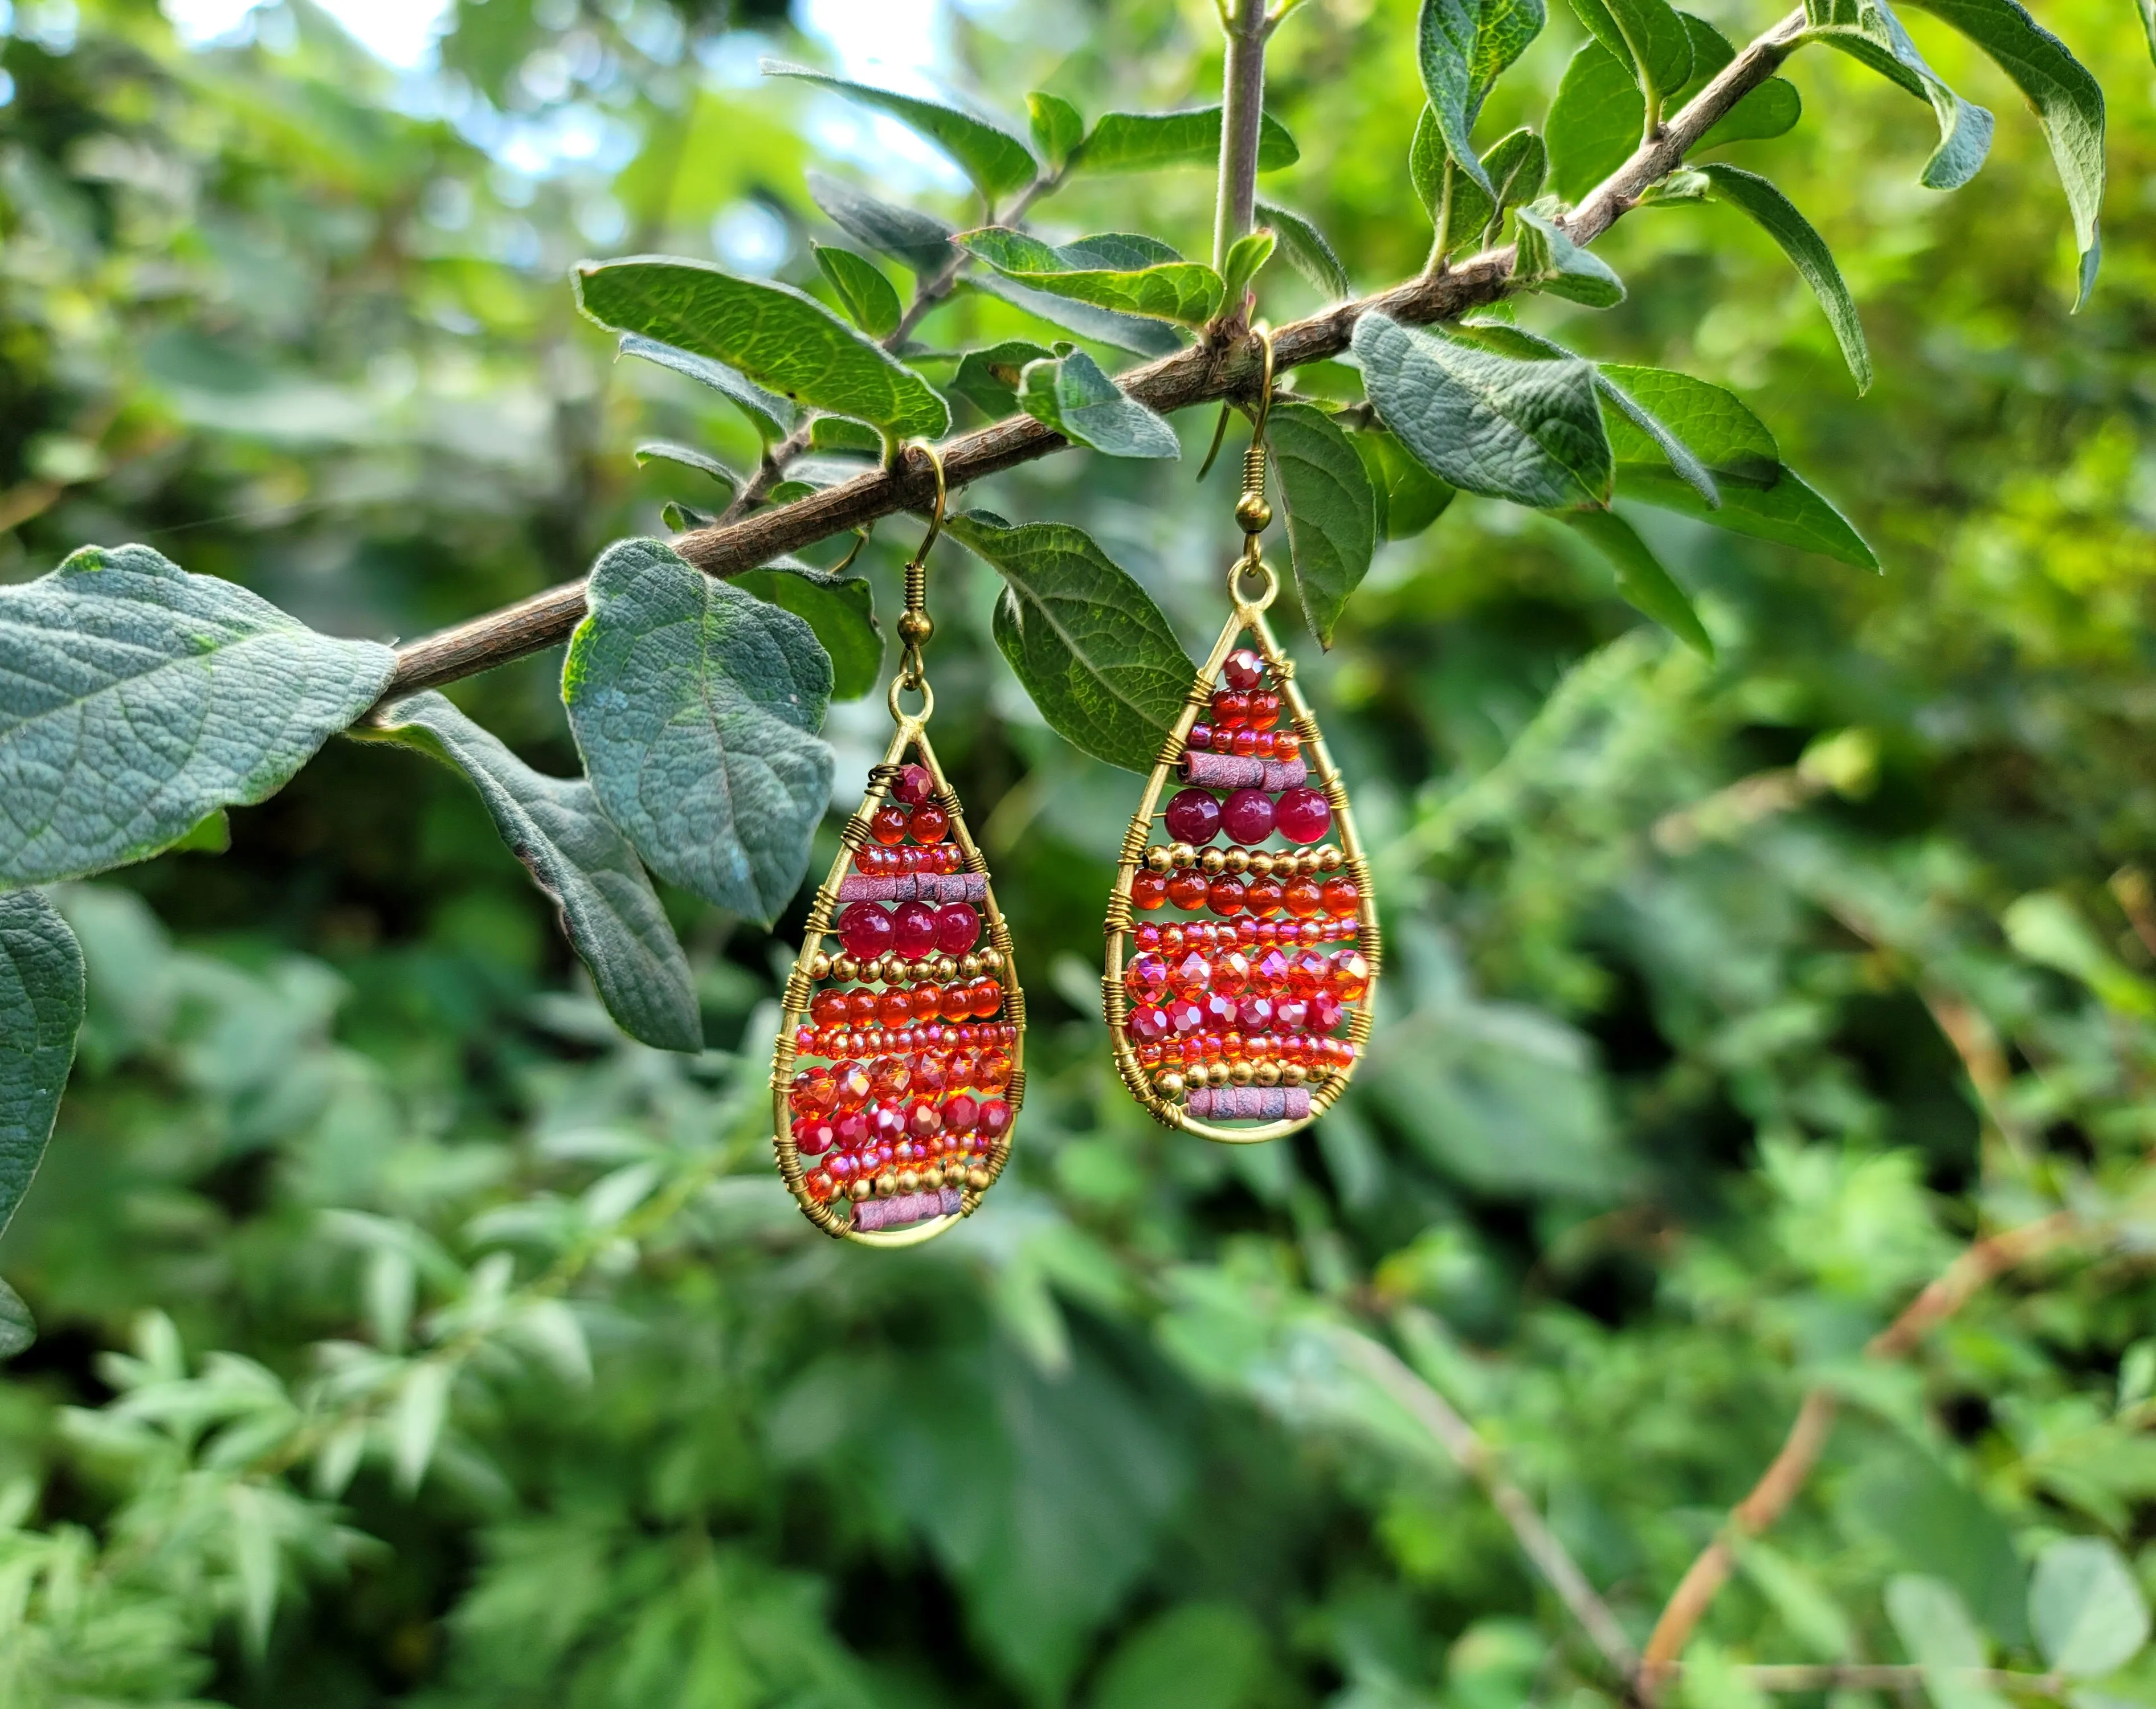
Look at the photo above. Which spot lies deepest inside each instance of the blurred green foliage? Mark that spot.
(1731, 998)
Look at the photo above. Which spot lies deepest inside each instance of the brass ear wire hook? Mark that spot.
(1253, 515)
(915, 625)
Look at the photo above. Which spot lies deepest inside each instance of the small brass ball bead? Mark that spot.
(1253, 514)
(845, 969)
(858, 1189)
(819, 966)
(1170, 1084)
(969, 967)
(1159, 858)
(1183, 855)
(915, 627)
(886, 1185)
(1237, 860)
(1213, 861)
(908, 1181)
(979, 1179)
(1267, 1073)
(947, 969)
(1263, 864)
(933, 1180)
(1217, 1074)
(992, 961)
(1330, 860)
(1292, 1074)
(1240, 1074)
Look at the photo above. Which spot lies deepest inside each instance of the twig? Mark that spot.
(1199, 375)
(1779, 1486)
(1242, 115)
(1536, 1541)
(1890, 1676)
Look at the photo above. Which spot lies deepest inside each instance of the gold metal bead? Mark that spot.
(992, 960)
(845, 969)
(915, 627)
(1292, 1074)
(908, 1181)
(1182, 854)
(1262, 865)
(1216, 1074)
(1213, 861)
(886, 1185)
(1330, 859)
(1159, 858)
(979, 1179)
(969, 967)
(858, 1189)
(1240, 1074)
(1237, 860)
(1253, 514)
(933, 1179)
(946, 969)
(819, 966)
(1267, 1073)
(1170, 1084)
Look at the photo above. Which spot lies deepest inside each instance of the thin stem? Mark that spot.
(1891, 1677)
(1242, 114)
(1200, 375)
(1441, 238)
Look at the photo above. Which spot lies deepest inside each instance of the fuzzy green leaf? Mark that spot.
(1648, 37)
(1515, 166)
(688, 457)
(136, 699)
(1646, 585)
(1131, 332)
(1246, 255)
(840, 609)
(774, 334)
(41, 1008)
(1869, 33)
(1058, 127)
(988, 378)
(1595, 123)
(18, 1329)
(695, 705)
(1132, 142)
(1072, 395)
(1119, 271)
(771, 415)
(608, 910)
(868, 298)
(996, 160)
(2068, 102)
(2087, 1613)
(1332, 510)
(1807, 253)
(1085, 640)
(1546, 260)
(1408, 497)
(1771, 110)
(919, 242)
(1461, 47)
(1529, 432)
(1304, 249)
(834, 433)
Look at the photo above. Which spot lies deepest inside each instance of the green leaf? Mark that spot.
(1935, 1628)
(1771, 110)
(996, 160)
(1644, 584)
(834, 433)
(1058, 127)
(421, 1409)
(1869, 33)
(1937, 1525)
(212, 836)
(2085, 1607)
(136, 699)
(771, 415)
(1546, 260)
(666, 451)
(988, 378)
(1595, 123)
(772, 333)
(1529, 432)
(1807, 253)
(1074, 397)
(1332, 510)
(868, 298)
(1461, 47)
(17, 1327)
(1683, 463)
(694, 705)
(1516, 165)
(1134, 142)
(840, 609)
(1761, 496)
(1408, 497)
(1130, 332)
(919, 242)
(1119, 271)
(41, 1008)
(682, 518)
(1649, 38)
(2068, 102)
(608, 910)
(1200, 1655)
(1303, 248)
(1245, 256)
(1085, 640)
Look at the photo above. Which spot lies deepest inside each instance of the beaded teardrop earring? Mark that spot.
(900, 1066)
(1233, 971)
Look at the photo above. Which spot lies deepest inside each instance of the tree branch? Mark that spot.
(1199, 375)
(1242, 115)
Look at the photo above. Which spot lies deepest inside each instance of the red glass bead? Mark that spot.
(1193, 817)
(1254, 1014)
(813, 1135)
(1304, 897)
(1303, 815)
(819, 1184)
(861, 1007)
(961, 1110)
(804, 1042)
(851, 1126)
(1200, 739)
(923, 1119)
(1243, 744)
(1269, 974)
(889, 1121)
(1263, 895)
(1145, 978)
(1311, 931)
(1151, 1023)
(895, 1007)
(842, 1164)
(903, 1039)
(851, 1086)
(1184, 1015)
(1188, 889)
(1218, 1009)
(1234, 1047)
(1287, 745)
(1242, 669)
(912, 785)
(1189, 973)
(925, 1001)
(1172, 937)
(889, 1078)
(1265, 710)
(964, 1070)
(913, 929)
(1231, 709)
(1248, 815)
(1149, 890)
(867, 858)
(995, 1069)
(1326, 1011)
(930, 823)
(1342, 897)
(957, 929)
(958, 1002)
(1309, 973)
(865, 931)
(887, 825)
(1225, 895)
(1351, 975)
(1145, 935)
(828, 1008)
(1231, 972)
(1246, 929)
(988, 997)
(1211, 1047)
(996, 1118)
(814, 1092)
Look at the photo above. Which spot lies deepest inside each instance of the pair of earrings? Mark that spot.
(1242, 939)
